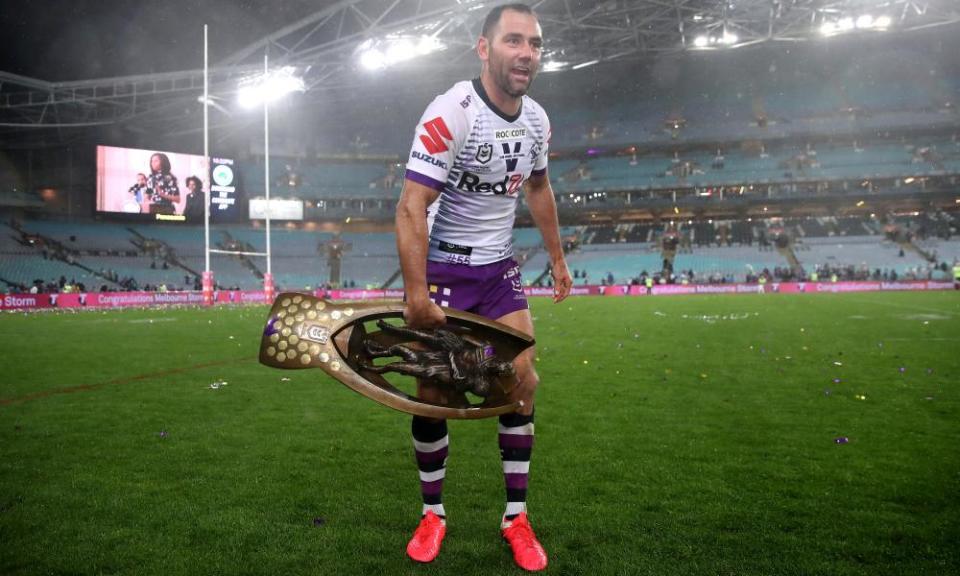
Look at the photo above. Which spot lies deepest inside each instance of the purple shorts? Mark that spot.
(491, 290)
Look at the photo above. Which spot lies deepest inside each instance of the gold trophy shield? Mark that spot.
(344, 338)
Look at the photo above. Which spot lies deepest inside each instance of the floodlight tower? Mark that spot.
(254, 92)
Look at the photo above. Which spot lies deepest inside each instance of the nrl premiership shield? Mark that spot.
(468, 361)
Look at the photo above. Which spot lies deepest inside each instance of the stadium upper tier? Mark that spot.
(770, 92)
(661, 169)
(782, 165)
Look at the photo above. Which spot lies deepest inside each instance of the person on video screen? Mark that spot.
(194, 208)
(164, 192)
(139, 196)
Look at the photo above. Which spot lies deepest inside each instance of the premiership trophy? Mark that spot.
(468, 361)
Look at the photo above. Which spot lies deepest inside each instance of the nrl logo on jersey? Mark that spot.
(484, 153)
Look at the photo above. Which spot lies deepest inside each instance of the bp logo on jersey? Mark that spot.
(484, 153)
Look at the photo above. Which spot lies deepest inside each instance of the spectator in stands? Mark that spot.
(718, 161)
(163, 185)
(390, 181)
(195, 198)
(583, 171)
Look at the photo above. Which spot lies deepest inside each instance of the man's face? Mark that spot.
(192, 185)
(512, 53)
(141, 180)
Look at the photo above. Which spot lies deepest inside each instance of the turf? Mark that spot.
(675, 435)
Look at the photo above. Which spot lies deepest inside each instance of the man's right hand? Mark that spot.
(423, 313)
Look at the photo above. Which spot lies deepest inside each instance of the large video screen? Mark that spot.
(157, 185)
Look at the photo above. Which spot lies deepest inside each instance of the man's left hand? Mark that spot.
(562, 282)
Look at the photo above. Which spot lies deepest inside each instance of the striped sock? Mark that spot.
(516, 444)
(430, 442)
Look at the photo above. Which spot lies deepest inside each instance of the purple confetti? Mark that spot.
(163, 433)
(319, 521)
(836, 380)
(841, 440)
(902, 369)
(929, 370)
(826, 392)
(270, 328)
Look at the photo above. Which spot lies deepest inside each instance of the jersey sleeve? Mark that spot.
(540, 164)
(440, 134)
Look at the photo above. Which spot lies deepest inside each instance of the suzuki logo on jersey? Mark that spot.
(508, 186)
(511, 157)
(484, 153)
(437, 132)
(428, 159)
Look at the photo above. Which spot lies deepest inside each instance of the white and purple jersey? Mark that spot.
(478, 158)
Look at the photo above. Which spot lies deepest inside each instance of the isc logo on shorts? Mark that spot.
(513, 274)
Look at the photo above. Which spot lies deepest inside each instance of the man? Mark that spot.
(140, 193)
(476, 147)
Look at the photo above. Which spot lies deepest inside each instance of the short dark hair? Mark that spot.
(195, 179)
(493, 18)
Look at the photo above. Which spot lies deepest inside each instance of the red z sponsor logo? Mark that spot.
(437, 132)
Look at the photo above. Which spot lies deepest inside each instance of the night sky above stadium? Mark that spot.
(61, 40)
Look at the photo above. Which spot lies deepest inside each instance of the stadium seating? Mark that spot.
(858, 251)
(83, 235)
(624, 261)
(323, 180)
(25, 269)
(734, 262)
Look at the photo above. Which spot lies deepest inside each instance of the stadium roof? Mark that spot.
(113, 43)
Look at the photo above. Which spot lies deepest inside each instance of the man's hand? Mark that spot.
(423, 313)
(561, 281)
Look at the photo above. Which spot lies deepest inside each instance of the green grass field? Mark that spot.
(675, 435)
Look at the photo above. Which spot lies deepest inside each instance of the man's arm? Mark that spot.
(412, 238)
(543, 208)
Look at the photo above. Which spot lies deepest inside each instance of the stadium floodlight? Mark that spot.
(377, 54)
(864, 21)
(700, 41)
(828, 28)
(373, 59)
(399, 51)
(845, 24)
(554, 65)
(428, 44)
(585, 64)
(729, 38)
(882, 22)
(269, 87)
